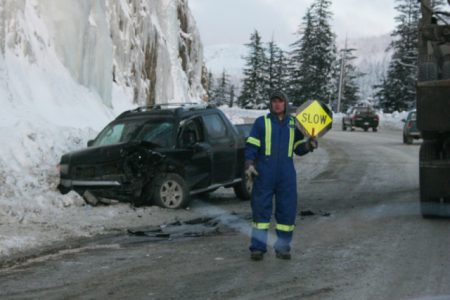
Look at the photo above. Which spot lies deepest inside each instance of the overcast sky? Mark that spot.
(232, 21)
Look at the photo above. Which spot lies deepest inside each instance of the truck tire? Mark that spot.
(429, 206)
(446, 69)
(243, 189)
(428, 71)
(170, 191)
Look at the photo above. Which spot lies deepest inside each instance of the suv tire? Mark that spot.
(170, 191)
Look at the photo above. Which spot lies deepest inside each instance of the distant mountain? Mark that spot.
(371, 52)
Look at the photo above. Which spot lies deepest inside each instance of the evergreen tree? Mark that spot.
(276, 69)
(313, 56)
(397, 92)
(221, 90)
(253, 93)
(300, 57)
(272, 50)
(231, 95)
(281, 80)
(210, 86)
(347, 80)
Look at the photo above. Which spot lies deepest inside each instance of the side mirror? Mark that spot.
(188, 138)
(403, 120)
(200, 147)
(90, 143)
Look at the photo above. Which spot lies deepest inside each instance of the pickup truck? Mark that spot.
(362, 117)
(159, 155)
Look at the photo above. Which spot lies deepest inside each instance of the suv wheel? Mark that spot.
(170, 191)
(407, 139)
(243, 189)
(344, 128)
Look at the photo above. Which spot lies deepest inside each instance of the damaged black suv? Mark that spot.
(159, 155)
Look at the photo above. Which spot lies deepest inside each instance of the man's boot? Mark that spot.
(257, 255)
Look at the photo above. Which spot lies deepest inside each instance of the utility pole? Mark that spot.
(341, 76)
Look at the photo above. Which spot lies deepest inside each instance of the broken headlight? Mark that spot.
(63, 168)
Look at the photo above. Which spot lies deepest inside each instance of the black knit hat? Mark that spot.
(278, 95)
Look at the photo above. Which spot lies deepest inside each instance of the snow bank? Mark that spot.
(242, 116)
(393, 120)
(57, 90)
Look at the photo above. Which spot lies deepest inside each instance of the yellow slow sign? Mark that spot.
(314, 118)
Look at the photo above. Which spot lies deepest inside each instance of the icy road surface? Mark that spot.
(365, 240)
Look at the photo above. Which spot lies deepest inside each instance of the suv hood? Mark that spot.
(91, 155)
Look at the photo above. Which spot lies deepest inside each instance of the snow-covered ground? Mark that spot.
(33, 213)
(48, 108)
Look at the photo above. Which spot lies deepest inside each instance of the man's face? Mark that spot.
(278, 106)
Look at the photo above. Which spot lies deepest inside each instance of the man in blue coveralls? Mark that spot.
(269, 160)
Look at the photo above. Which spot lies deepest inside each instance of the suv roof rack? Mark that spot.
(177, 107)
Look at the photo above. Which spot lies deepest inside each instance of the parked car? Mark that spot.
(410, 131)
(361, 116)
(159, 155)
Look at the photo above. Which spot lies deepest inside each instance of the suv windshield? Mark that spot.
(155, 131)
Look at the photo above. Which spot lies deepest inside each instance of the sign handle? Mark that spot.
(312, 135)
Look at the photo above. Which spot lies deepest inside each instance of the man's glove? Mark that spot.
(250, 170)
(311, 144)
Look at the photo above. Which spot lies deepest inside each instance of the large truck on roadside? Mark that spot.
(433, 110)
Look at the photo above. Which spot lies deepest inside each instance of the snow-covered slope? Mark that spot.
(67, 68)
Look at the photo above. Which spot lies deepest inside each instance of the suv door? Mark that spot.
(198, 167)
(223, 148)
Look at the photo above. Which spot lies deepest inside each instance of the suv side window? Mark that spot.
(215, 126)
(191, 133)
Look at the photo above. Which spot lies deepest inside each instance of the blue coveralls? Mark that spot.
(271, 145)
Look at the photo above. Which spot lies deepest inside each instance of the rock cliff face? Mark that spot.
(151, 47)
(156, 49)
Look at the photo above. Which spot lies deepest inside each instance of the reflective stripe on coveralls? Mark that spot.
(268, 128)
(298, 144)
(261, 226)
(291, 136)
(268, 131)
(254, 141)
(287, 228)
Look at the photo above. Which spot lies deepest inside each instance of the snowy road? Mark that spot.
(372, 245)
